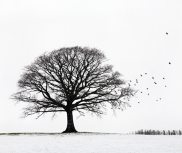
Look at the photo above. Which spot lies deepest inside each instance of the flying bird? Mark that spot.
(141, 75)
(136, 81)
(155, 82)
(169, 62)
(146, 73)
(148, 93)
(166, 33)
(163, 78)
(147, 88)
(152, 77)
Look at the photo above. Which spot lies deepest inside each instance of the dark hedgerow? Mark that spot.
(157, 132)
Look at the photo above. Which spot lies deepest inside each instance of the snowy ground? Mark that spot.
(90, 143)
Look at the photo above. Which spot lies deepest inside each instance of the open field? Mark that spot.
(89, 143)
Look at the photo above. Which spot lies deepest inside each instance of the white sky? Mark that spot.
(131, 33)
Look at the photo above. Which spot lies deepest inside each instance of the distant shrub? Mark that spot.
(180, 133)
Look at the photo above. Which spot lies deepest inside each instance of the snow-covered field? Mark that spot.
(90, 143)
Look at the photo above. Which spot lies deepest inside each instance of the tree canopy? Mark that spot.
(72, 79)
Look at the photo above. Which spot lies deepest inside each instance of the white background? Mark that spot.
(131, 33)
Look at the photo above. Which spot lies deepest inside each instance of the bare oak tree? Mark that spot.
(71, 79)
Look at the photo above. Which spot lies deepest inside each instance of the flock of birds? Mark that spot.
(131, 83)
(152, 77)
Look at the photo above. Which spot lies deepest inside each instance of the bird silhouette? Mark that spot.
(141, 92)
(155, 82)
(152, 77)
(163, 78)
(146, 73)
(165, 86)
(147, 88)
(160, 98)
(138, 102)
(169, 62)
(136, 81)
(140, 75)
(166, 33)
(148, 93)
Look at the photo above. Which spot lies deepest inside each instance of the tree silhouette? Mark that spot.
(71, 79)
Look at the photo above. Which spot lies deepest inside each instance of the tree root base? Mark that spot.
(67, 131)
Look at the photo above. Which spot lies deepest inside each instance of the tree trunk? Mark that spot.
(70, 124)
